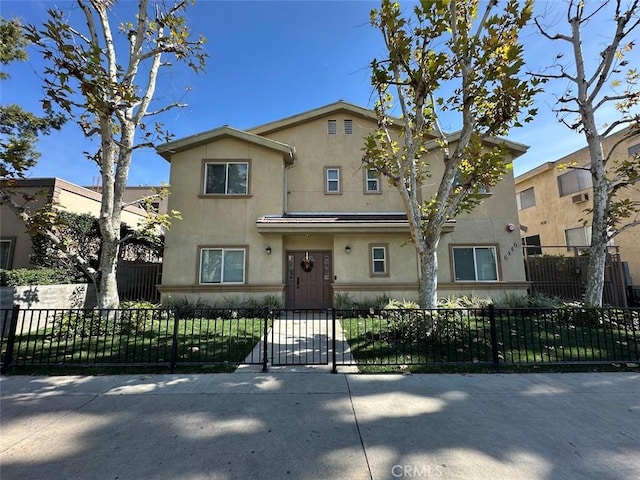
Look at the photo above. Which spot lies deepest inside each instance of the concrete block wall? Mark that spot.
(48, 296)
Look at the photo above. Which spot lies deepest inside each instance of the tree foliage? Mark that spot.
(19, 129)
(106, 76)
(448, 58)
(613, 81)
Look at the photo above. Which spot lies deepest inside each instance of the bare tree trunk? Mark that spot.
(599, 231)
(429, 274)
(107, 283)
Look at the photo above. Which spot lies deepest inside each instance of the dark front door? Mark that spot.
(308, 279)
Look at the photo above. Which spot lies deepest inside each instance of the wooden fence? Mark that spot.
(565, 275)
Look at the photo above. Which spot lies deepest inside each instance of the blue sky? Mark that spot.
(269, 60)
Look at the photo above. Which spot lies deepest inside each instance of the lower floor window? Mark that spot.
(6, 252)
(475, 264)
(578, 237)
(222, 265)
(379, 260)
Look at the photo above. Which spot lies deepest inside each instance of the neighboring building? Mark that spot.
(552, 204)
(287, 209)
(15, 242)
(133, 194)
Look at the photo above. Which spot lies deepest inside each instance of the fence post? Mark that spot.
(11, 339)
(174, 343)
(494, 338)
(265, 342)
(333, 341)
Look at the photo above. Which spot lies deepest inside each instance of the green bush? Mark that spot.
(38, 276)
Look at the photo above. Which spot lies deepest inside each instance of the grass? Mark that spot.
(407, 344)
(72, 341)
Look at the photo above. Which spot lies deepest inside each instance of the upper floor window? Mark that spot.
(574, 181)
(332, 180)
(332, 127)
(526, 198)
(379, 265)
(475, 264)
(222, 265)
(348, 126)
(371, 181)
(226, 178)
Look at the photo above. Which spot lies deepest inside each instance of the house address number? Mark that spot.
(511, 250)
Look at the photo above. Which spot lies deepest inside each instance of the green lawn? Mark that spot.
(464, 337)
(74, 341)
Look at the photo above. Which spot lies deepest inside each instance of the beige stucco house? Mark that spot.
(15, 242)
(287, 209)
(553, 204)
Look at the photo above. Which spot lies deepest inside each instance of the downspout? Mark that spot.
(288, 165)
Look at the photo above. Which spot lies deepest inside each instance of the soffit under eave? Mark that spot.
(298, 228)
(515, 148)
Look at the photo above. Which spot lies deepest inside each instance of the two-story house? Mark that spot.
(553, 203)
(288, 209)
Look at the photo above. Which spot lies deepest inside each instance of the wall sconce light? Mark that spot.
(268, 250)
(347, 249)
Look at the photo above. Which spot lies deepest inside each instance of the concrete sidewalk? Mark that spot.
(281, 425)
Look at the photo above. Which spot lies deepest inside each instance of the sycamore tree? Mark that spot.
(105, 76)
(448, 58)
(594, 88)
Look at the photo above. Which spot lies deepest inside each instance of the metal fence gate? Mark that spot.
(300, 337)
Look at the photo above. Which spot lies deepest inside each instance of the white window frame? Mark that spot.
(384, 260)
(328, 181)
(583, 181)
(586, 234)
(475, 248)
(523, 199)
(368, 179)
(223, 251)
(226, 179)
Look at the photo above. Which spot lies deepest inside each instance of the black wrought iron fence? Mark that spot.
(196, 336)
(78, 337)
(488, 336)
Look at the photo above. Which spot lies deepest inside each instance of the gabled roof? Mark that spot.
(516, 148)
(337, 107)
(168, 149)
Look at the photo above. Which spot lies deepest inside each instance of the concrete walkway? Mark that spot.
(281, 425)
(302, 343)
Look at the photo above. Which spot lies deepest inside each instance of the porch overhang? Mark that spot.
(296, 223)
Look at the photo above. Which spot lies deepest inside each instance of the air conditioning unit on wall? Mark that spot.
(582, 197)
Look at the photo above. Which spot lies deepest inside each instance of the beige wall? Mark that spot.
(224, 221)
(552, 214)
(232, 221)
(67, 196)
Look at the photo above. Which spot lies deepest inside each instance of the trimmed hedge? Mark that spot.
(38, 276)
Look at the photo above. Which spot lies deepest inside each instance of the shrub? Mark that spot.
(343, 301)
(464, 301)
(38, 276)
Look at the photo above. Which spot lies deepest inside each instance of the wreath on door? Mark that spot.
(307, 263)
